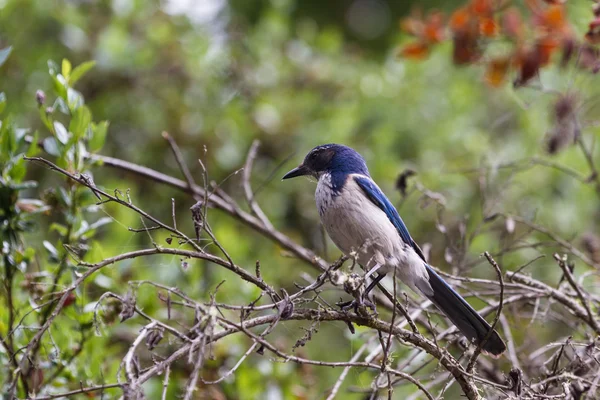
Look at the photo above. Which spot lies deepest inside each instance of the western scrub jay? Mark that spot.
(362, 222)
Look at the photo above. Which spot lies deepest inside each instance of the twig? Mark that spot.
(191, 385)
(562, 263)
(166, 382)
(489, 334)
(388, 344)
(301, 360)
(340, 380)
(399, 306)
(89, 389)
(590, 160)
(446, 360)
(559, 240)
(562, 298)
(240, 361)
(218, 202)
(180, 161)
(512, 353)
(248, 188)
(115, 199)
(128, 360)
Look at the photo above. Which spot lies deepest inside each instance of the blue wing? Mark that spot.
(466, 319)
(378, 198)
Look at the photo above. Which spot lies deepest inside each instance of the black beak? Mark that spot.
(300, 170)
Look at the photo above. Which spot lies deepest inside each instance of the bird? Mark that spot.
(364, 225)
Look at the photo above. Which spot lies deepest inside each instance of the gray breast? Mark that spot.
(324, 194)
(355, 224)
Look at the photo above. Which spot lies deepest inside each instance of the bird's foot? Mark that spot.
(359, 306)
(354, 286)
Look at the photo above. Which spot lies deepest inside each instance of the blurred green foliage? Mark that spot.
(216, 79)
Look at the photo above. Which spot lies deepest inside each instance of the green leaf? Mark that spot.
(98, 136)
(80, 152)
(74, 99)
(19, 257)
(80, 121)
(61, 229)
(66, 68)
(61, 132)
(29, 253)
(2, 101)
(20, 134)
(45, 117)
(60, 85)
(8, 140)
(4, 53)
(24, 185)
(64, 196)
(50, 247)
(52, 68)
(61, 106)
(33, 149)
(18, 170)
(51, 147)
(84, 227)
(80, 70)
(101, 222)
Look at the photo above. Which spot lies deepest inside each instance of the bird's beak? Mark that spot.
(300, 170)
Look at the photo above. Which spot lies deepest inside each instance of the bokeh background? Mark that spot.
(219, 74)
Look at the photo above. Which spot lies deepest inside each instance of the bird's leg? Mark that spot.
(372, 271)
(374, 283)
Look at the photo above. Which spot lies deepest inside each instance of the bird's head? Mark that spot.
(330, 158)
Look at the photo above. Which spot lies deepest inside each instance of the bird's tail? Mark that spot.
(466, 319)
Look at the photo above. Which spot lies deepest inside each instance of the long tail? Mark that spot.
(466, 319)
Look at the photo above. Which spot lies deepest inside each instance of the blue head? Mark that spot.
(334, 159)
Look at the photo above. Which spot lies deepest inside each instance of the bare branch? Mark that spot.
(256, 210)
(479, 348)
(180, 161)
(562, 262)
